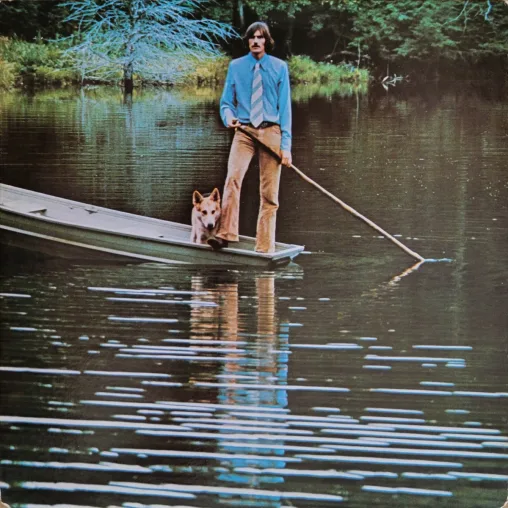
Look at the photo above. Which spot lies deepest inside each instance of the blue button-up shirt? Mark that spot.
(235, 100)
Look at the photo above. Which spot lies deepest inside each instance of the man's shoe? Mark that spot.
(217, 243)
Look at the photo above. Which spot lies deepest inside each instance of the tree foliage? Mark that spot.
(155, 38)
(374, 32)
(430, 31)
(404, 33)
(34, 19)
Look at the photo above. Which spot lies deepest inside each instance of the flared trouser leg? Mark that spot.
(240, 156)
(269, 180)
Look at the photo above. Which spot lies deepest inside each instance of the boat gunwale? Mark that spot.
(290, 250)
(88, 246)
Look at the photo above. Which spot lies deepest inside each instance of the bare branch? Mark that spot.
(153, 37)
(460, 14)
(488, 10)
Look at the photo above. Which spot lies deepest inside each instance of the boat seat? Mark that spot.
(157, 233)
(136, 230)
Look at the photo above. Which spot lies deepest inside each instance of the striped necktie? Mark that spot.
(256, 101)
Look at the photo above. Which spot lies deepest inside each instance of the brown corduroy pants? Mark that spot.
(242, 151)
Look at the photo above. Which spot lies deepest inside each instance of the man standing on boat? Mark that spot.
(257, 97)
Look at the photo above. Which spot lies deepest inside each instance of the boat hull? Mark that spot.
(76, 227)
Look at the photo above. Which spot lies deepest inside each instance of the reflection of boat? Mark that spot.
(85, 229)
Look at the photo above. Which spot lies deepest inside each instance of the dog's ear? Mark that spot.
(196, 198)
(215, 194)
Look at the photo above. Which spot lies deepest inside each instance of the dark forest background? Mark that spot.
(424, 39)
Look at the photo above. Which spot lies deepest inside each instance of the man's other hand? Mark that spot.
(285, 158)
(233, 123)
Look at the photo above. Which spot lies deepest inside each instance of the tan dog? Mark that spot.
(205, 216)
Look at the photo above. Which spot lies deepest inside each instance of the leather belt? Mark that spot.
(262, 125)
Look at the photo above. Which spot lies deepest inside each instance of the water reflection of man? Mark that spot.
(259, 358)
(2, 504)
(257, 96)
(263, 365)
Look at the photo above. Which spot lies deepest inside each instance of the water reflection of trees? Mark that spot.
(127, 153)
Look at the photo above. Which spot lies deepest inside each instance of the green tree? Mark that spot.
(430, 31)
(29, 20)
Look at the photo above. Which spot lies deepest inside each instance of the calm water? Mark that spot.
(351, 378)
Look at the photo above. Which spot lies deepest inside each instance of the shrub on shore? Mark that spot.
(46, 64)
(7, 75)
(209, 72)
(303, 69)
(39, 63)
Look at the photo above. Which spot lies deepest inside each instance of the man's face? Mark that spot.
(257, 44)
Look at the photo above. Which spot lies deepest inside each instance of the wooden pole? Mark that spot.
(335, 199)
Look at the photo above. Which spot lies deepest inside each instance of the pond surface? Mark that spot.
(351, 377)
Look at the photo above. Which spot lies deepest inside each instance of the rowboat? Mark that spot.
(78, 230)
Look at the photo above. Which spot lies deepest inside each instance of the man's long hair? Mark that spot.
(265, 31)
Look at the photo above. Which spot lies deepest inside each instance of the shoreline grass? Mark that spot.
(304, 70)
(44, 64)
